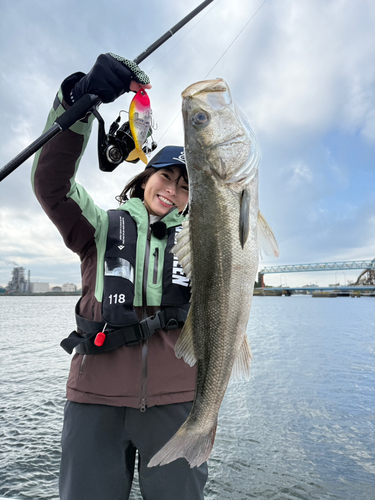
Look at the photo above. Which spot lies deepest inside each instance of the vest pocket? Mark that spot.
(116, 266)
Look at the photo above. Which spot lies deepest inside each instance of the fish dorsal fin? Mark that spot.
(182, 248)
(266, 239)
(241, 367)
(184, 347)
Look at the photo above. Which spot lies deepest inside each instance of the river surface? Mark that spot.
(302, 428)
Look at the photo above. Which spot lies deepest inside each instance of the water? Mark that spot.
(302, 428)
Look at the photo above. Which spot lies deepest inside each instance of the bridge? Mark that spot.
(338, 289)
(325, 266)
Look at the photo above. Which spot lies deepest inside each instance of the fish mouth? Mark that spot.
(237, 138)
(205, 87)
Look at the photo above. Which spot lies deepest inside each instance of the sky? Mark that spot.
(302, 72)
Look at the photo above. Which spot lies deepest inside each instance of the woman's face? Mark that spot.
(165, 189)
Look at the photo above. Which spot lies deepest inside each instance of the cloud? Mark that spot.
(301, 173)
(302, 72)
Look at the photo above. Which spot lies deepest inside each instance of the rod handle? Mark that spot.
(77, 111)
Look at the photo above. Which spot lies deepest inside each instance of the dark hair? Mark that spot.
(134, 186)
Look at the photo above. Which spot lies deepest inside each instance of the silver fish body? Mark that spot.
(219, 251)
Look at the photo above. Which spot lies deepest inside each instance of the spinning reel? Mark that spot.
(114, 147)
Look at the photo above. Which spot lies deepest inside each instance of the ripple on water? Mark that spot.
(302, 428)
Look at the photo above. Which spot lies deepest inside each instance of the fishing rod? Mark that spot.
(89, 101)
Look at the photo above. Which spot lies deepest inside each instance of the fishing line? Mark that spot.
(217, 62)
(174, 46)
(230, 45)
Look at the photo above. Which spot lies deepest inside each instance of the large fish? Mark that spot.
(219, 250)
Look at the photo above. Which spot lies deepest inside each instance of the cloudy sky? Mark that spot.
(302, 71)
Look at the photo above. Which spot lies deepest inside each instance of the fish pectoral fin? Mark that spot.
(241, 367)
(244, 216)
(182, 249)
(266, 239)
(184, 347)
(137, 154)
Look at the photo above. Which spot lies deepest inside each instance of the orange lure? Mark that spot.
(140, 117)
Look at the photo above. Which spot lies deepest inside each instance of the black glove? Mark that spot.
(109, 78)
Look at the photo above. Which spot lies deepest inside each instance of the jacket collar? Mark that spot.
(138, 211)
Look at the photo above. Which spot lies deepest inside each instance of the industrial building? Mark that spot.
(19, 284)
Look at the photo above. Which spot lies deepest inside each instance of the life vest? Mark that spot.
(125, 277)
(123, 273)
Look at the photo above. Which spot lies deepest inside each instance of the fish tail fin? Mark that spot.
(137, 153)
(188, 443)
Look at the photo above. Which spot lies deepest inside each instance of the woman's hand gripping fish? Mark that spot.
(219, 250)
(140, 117)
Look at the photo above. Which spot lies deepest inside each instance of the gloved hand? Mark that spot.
(110, 77)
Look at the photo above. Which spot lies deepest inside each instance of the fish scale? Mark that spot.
(220, 247)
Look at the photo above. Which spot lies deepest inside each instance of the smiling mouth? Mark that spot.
(165, 201)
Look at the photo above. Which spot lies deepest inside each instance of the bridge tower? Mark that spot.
(366, 278)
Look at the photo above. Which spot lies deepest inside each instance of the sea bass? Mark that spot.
(219, 250)
(140, 118)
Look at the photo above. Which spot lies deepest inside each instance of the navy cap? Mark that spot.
(167, 157)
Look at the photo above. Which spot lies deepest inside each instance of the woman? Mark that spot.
(126, 389)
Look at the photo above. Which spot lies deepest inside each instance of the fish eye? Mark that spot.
(200, 118)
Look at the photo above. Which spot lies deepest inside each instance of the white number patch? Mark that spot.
(116, 299)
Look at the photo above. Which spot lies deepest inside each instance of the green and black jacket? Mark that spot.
(137, 376)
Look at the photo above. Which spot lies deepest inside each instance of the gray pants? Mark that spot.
(99, 445)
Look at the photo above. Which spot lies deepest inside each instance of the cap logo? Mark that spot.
(181, 158)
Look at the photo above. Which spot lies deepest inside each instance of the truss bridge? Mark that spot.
(366, 277)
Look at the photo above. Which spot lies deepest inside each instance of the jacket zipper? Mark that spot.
(156, 264)
(82, 363)
(143, 400)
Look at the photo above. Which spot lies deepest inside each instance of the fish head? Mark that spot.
(218, 136)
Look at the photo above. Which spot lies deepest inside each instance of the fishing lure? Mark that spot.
(140, 121)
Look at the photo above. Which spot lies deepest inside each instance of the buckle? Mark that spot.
(149, 325)
(172, 324)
